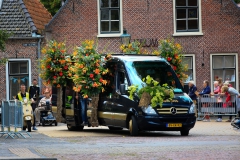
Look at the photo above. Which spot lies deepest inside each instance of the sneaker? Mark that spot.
(34, 128)
(83, 123)
(219, 120)
(229, 120)
(206, 120)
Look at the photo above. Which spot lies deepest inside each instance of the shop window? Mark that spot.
(187, 17)
(224, 66)
(189, 61)
(109, 18)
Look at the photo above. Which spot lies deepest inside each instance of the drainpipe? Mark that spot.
(38, 54)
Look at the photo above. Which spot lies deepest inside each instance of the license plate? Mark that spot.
(174, 125)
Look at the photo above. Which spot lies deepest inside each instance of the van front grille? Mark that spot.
(170, 110)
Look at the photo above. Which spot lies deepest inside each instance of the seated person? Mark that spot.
(42, 105)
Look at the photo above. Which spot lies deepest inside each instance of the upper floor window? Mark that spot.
(109, 19)
(187, 17)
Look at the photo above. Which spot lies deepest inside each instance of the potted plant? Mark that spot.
(152, 93)
(88, 74)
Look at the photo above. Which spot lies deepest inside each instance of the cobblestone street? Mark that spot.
(207, 140)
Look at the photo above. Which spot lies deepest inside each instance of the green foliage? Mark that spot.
(52, 5)
(237, 1)
(4, 35)
(159, 94)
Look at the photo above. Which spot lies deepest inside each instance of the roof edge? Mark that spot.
(28, 17)
(58, 12)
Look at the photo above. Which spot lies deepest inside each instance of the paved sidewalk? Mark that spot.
(17, 149)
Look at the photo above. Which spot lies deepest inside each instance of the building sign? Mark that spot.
(29, 44)
(148, 42)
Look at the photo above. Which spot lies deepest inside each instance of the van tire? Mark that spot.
(115, 128)
(133, 128)
(184, 132)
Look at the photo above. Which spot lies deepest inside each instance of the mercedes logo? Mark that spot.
(173, 110)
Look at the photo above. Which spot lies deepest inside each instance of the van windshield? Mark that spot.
(159, 71)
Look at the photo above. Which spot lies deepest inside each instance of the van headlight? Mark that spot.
(192, 109)
(149, 110)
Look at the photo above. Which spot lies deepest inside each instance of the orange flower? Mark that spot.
(62, 61)
(104, 82)
(75, 53)
(95, 84)
(62, 51)
(81, 65)
(97, 71)
(58, 86)
(85, 96)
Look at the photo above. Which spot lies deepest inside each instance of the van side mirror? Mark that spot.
(122, 89)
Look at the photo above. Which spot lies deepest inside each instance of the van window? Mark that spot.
(160, 71)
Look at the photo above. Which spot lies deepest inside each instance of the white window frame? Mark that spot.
(224, 54)
(188, 33)
(193, 65)
(7, 73)
(99, 22)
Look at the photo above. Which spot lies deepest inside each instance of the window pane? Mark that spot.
(180, 2)
(192, 13)
(104, 14)
(15, 82)
(181, 24)
(229, 61)
(104, 3)
(104, 26)
(115, 26)
(115, 3)
(192, 2)
(114, 15)
(190, 75)
(217, 62)
(229, 75)
(188, 61)
(18, 67)
(181, 13)
(192, 24)
(218, 74)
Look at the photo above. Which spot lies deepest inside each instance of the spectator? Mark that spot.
(206, 90)
(192, 95)
(82, 103)
(42, 105)
(34, 94)
(217, 93)
(232, 91)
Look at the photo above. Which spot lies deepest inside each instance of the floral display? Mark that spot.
(158, 94)
(133, 48)
(55, 64)
(172, 52)
(88, 69)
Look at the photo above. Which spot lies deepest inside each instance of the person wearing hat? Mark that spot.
(42, 104)
(192, 95)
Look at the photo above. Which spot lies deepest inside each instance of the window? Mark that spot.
(224, 66)
(18, 72)
(109, 18)
(189, 60)
(187, 17)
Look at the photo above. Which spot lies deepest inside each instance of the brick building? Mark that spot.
(26, 20)
(208, 30)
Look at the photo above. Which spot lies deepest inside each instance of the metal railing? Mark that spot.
(12, 119)
(216, 105)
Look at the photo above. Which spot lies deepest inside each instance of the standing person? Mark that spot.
(217, 92)
(34, 94)
(83, 102)
(206, 90)
(232, 91)
(192, 95)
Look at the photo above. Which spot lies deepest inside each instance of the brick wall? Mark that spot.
(220, 25)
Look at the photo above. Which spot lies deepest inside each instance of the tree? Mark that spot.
(4, 35)
(52, 6)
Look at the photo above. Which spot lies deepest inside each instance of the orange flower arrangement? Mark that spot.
(55, 64)
(88, 69)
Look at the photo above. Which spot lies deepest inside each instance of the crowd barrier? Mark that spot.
(217, 105)
(12, 119)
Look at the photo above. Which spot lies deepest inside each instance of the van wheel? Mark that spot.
(184, 132)
(79, 128)
(133, 128)
(115, 128)
(29, 126)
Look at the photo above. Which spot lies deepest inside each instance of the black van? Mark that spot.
(117, 111)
